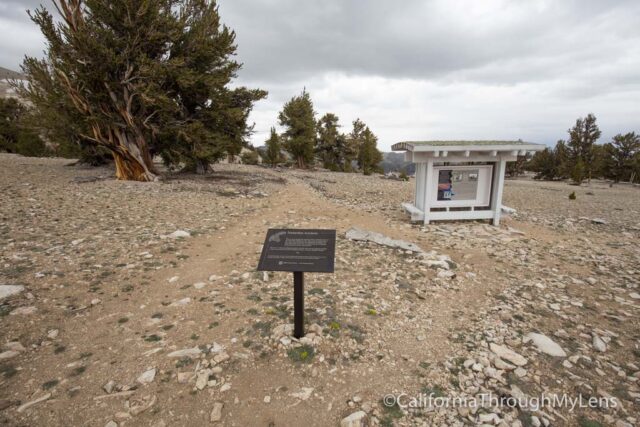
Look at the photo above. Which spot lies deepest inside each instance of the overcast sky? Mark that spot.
(417, 69)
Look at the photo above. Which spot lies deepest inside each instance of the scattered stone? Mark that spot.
(185, 377)
(508, 354)
(147, 376)
(598, 221)
(545, 344)
(195, 351)
(179, 234)
(371, 236)
(9, 354)
(599, 344)
(520, 372)
(507, 210)
(202, 377)
(109, 387)
(9, 290)
(216, 412)
(303, 394)
(25, 311)
(27, 405)
(14, 345)
(111, 423)
(499, 363)
(139, 405)
(357, 419)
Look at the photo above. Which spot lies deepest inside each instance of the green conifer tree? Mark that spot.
(298, 118)
(272, 153)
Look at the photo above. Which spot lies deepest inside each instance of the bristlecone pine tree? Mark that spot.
(332, 145)
(298, 118)
(212, 120)
(366, 146)
(623, 153)
(54, 116)
(272, 152)
(145, 77)
(582, 137)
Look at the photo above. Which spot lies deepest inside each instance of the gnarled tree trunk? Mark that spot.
(132, 158)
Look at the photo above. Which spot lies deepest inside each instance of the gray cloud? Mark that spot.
(417, 39)
(425, 69)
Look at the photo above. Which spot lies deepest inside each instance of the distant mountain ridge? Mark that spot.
(9, 74)
(391, 161)
(394, 162)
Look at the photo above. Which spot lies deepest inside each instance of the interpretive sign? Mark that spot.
(298, 251)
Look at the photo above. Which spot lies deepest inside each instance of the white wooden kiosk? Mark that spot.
(460, 179)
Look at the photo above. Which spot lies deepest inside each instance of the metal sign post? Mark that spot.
(298, 251)
(298, 304)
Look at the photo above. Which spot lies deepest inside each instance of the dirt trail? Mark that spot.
(237, 248)
(147, 313)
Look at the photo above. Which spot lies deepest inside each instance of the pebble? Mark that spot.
(195, 351)
(24, 311)
(303, 394)
(147, 376)
(27, 405)
(179, 234)
(216, 412)
(508, 354)
(357, 419)
(9, 290)
(545, 344)
(109, 386)
(599, 344)
(9, 354)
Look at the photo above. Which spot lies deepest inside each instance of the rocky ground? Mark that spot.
(139, 304)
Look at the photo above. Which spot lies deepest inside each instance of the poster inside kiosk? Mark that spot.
(298, 251)
(461, 185)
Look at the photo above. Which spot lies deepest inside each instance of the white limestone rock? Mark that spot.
(179, 234)
(147, 376)
(357, 419)
(216, 412)
(507, 354)
(195, 351)
(9, 290)
(599, 344)
(371, 236)
(545, 344)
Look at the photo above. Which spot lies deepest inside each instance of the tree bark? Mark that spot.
(132, 158)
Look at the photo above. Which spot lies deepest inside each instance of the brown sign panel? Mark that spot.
(298, 250)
